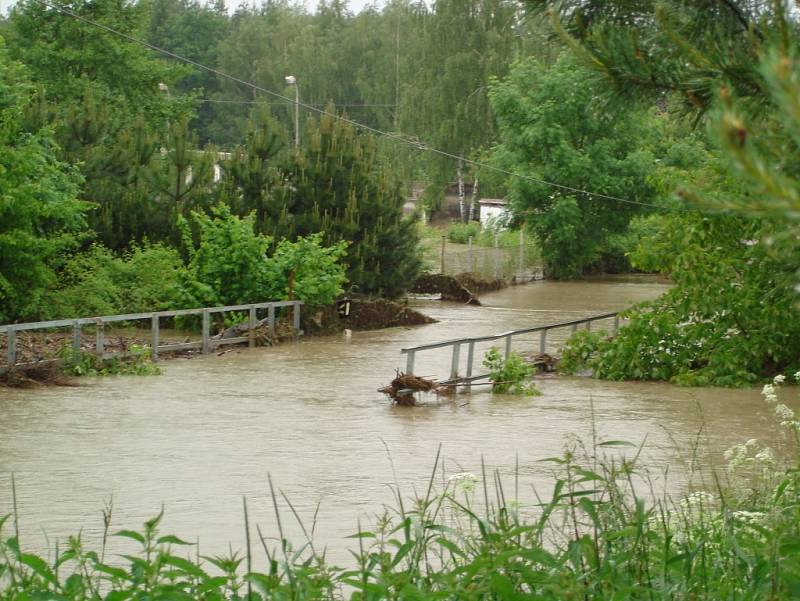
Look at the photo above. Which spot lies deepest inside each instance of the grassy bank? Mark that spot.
(604, 533)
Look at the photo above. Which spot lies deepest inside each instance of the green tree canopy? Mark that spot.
(40, 214)
(555, 128)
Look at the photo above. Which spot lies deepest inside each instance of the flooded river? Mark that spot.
(211, 429)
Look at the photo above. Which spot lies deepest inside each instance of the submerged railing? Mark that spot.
(507, 338)
(207, 343)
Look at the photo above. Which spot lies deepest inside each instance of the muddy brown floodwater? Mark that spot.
(210, 430)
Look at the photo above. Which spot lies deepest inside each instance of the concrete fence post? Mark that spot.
(251, 332)
(11, 349)
(296, 317)
(76, 336)
(271, 319)
(154, 337)
(206, 331)
(99, 338)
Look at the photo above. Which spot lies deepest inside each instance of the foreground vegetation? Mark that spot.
(604, 533)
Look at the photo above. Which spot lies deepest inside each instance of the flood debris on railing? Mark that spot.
(403, 388)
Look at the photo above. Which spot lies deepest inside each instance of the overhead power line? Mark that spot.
(336, 104)
(390, 135)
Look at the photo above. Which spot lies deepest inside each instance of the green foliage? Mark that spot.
(40, 215)
(580, 351)
(316, 272)
(230, 263)
(147, 277)
(554, 127)
(731, 318)
(511, 375)
(80, 363)
(460, 233)
(335, 185)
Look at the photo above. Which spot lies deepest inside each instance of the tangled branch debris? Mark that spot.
(403, 387)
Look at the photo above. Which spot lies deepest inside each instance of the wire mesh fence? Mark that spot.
(504, 257)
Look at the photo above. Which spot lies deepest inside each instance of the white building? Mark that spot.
(492, 211)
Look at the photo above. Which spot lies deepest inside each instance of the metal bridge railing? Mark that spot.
(506, 337)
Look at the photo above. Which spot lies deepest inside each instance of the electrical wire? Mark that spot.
(389, 135)
(223, 101)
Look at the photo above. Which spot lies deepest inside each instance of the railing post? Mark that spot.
(154, 336)
(251, 332)
(444, 245)
(76, 335)
(508, 346)
(271, 319)
(589, 326)
(496, 257)
(99, 337)
(11, 350)
(410, 362)
(470, 357)
(542, 341)
(455, 361)
(296, 317)
(616, 324)
(206, 329)
(469, 255)
(574, 328)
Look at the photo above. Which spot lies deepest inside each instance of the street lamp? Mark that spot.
(292, 81)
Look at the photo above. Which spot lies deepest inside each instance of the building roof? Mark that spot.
(498, 202)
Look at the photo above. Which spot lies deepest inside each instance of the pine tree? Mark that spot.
(335, 185)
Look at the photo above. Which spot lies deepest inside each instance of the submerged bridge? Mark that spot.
(525, 339)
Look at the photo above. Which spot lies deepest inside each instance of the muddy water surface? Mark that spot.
(210, 430)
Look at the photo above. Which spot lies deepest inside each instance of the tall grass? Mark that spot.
(604, 532)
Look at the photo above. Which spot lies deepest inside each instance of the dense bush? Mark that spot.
(229, 264)
(460, 233)
(146, 277)
(510, 375)
(40, 215)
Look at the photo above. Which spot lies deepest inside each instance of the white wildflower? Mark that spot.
(748, 516)
(769, 393)
(699, 498)
(779, 379)
(464, 480)
(797, 376)
(783, 412)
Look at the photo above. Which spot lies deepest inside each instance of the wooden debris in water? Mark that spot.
(545, 363)
(402, 388)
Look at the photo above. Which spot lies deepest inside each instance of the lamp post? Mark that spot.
(292, 81)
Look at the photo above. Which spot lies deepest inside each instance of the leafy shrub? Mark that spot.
(319, 273)
(460, 233)
(80, 363)
(731, 318)
(147, 277)
(509, 375)
(580, 351)
(229, 264)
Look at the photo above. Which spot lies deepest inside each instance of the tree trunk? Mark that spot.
(461, 191)
(472, 199)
